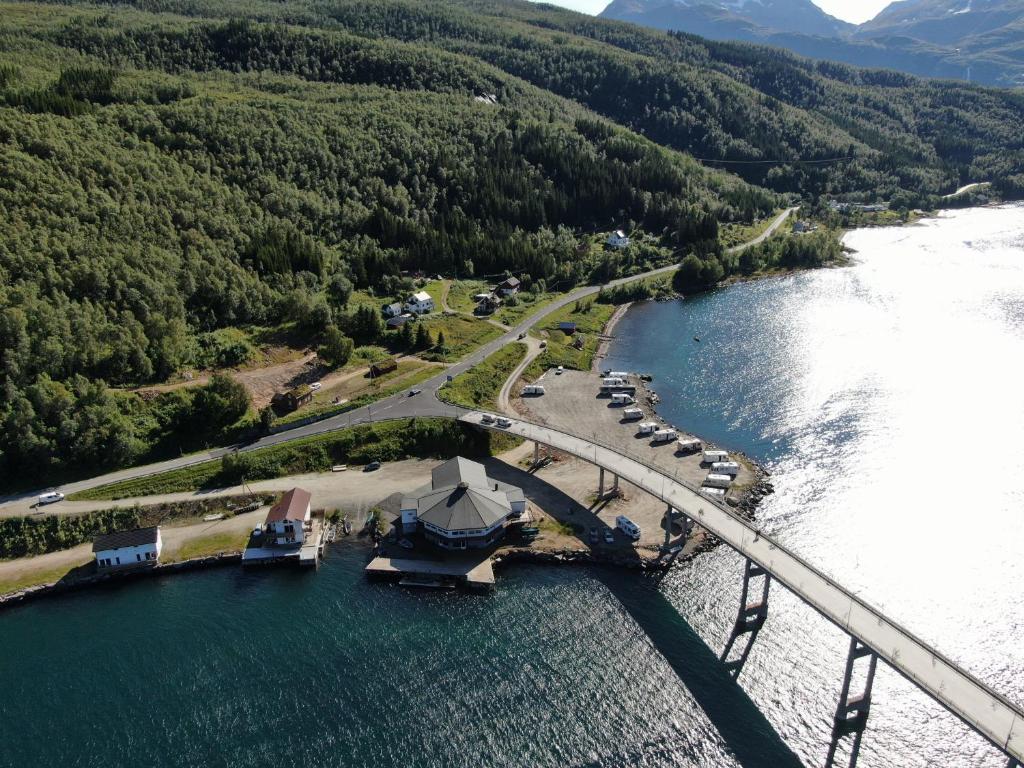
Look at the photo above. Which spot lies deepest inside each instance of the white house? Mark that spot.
(393, 310)
(462, 508)
(128, 549)
(288, 521)
(420, 303)
(508, 287)
(618, 239)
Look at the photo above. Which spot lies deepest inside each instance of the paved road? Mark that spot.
(397, 406)
(983, 709)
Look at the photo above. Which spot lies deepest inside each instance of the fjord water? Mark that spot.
(885, 396)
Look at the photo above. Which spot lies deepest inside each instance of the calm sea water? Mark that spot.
(886, 399)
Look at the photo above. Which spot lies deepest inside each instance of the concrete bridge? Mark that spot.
(873, 635)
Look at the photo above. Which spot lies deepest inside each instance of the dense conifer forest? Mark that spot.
(174, 169)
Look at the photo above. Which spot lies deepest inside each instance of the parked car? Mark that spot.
(543, 345)
(315, 386)
(372, 466)
(609, 537)
(501, 421)
(559, 370)
(50, 497)
(487, 419)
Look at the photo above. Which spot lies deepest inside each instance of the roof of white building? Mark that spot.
(134, 538)
(420, 296)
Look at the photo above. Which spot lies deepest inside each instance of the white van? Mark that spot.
(613, 381)
(665, 435)
(718, 481)
(617, 375)
(50, 497)
(712, 456)
(725, 468)
(689, 445)
(621, 398)
(628, 527)
(647, 428)
(632, 413)
(714, 493)
(532, 389)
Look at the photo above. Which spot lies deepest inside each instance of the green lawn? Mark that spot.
(590, 318)
(460, 295)
(462, 335)
(479, 386)
(204, 546)
(736, 234)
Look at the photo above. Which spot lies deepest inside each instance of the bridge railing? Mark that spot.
(850, 605)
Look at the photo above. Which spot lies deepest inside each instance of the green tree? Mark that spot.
(405, 336)
(219, 404)
(423, 340)
(337, 347)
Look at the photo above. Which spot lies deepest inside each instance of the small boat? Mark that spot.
(339, 468)
(696, 338)
(425, 583)
(527, 530)
(346, 526)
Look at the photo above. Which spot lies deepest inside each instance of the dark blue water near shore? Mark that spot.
(858, 386)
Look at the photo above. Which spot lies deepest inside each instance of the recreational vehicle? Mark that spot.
(688, 445)
(628, 527)
(532, 390)
(647, 428)
(718, 481)
(714, 493)
(725, 468)
(621, 398)
(665, 435)
(713, 456)
(632, 413)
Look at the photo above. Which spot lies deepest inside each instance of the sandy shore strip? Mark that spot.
(607, 335)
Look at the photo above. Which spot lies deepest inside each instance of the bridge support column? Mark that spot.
(852, 712)
(615, 483)
(536, 454)
(600, 483)
(751, 617)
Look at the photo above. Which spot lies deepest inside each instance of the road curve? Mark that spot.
(396, 406)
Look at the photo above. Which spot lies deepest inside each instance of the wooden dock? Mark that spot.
(473, 573)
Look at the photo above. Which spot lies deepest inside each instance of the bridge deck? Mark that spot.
(996, 718)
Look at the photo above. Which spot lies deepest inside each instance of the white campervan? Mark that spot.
(621, 398)
(689, 445)
(718, 481)
(725, 468)
(647, 428)
(532, 390)
(628, 527)
(632, 413)
(665, 435)
(713, 456)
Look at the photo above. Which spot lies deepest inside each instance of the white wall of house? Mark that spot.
(409, 520)
(123, 557)
(287, 531)
(420, 303)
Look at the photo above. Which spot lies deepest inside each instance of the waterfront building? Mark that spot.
(128, 549)
(462, 508)
(288, 521)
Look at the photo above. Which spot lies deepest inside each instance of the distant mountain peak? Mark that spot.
(705, 17)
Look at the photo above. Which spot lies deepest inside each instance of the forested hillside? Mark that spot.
(175, 169)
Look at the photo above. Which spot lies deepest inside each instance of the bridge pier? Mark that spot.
(600, 484)
(750, 619)
(852, 712)
(536, 453)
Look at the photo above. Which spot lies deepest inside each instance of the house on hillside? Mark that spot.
(508, 287)
(617, 239)
(292, 399)
(419, 303)
(288, 521)
(128, 549)
(487, 305)
(462, 508)
(398, 320)
(567, 327)
(392, 310)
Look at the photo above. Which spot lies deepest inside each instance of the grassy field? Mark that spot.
(462, 335)
(388, 441)
(590, 319)
(205, 546)
(736, 234)
(479, 386)
(31, 577)
(460, 295)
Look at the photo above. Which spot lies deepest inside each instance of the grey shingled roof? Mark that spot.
(462, 497)
(120, 539)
